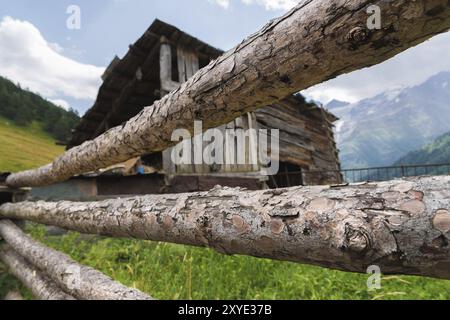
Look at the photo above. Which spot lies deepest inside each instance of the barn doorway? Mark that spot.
(289, 175)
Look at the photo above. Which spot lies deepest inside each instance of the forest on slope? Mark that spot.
(23, 108)
(437, 152)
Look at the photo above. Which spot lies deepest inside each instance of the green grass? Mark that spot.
(169, 271)
(23, 148)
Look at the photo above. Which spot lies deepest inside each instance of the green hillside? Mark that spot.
(25, 108)
(437, 152)
(23, 148)
(29, 127)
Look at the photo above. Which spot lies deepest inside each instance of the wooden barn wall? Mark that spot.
(230, 150)
(306, 140)
(188, 65)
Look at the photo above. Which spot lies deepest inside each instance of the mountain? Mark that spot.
(437, 152)
(380, 130)
(335, 104)
(24, 108)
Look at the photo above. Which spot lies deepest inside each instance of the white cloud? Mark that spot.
(56, 47)
(268, 4)
(273, 4)
(26, 57)
(223, 3)
(60, 103)
(409, 68)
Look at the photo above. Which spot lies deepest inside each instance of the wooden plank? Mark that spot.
(192, 64)
(230, 147)
(253, 147)
(181, 65)
(165, 62)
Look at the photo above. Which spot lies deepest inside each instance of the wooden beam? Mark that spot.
(401, 226)
(87, 283)
(40, 285)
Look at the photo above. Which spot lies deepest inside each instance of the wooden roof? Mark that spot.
(132, 83)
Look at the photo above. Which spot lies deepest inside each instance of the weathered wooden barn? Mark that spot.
(160, 61)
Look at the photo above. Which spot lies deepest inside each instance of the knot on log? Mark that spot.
(358, 36)
(356, 240)
(441, 221)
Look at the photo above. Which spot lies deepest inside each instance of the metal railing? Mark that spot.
(385, 173)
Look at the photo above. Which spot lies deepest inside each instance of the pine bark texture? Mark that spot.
(40, 285)
(82, 282)
(13, 296)
(316, 41)
(401, 226)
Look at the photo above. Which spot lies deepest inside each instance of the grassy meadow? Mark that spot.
(23, 148)
(169, 271)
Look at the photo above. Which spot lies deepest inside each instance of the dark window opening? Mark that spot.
(154, 160)
(289, 175)
(174, 54)
(5, 197)
(3, 176)
(203, 61)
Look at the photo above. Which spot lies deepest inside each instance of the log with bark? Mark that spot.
(82, 282)
(13, 296)
(40, 285)
(316, 41)
(401, 226)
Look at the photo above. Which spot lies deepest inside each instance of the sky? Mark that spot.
(64, 65)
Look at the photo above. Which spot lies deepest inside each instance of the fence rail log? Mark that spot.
(82, 282)
(402, 226)
(316, 41)
(13, 296)
(40, 285)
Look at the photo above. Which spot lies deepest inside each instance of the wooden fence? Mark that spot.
(401, 226)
